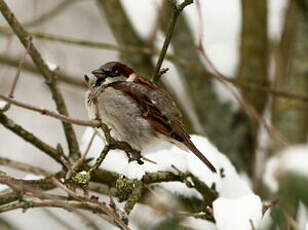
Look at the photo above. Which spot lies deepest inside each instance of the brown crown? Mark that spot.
(117, 66)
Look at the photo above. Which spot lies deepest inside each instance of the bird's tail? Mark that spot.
(194, 149)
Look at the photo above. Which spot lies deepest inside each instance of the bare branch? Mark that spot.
(51, 113)
(134, 49)
(81, 160)
(291, 75)
(63, 77)
(176, 12)
(19, 69)
(95, 205)
(50, 14)
(23, 166)
(251, 112)
(100, 159)
(16, 78)
(30, 138)
(49, 75)
(112, 143)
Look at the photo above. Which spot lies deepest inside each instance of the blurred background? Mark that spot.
(257, 116)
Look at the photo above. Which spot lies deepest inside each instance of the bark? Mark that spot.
(253, 68)
(291, 117)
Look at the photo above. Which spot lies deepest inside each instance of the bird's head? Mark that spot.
(111, 72)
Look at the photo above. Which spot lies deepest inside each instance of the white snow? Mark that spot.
(51, 66)
(2, 104)
(165, 155)
(238, 213)
(293, 159)
(33, 177)
(3, 187)
(236, 202)
(302, 215)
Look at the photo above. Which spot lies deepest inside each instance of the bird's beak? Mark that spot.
(98, 73)
(87, 80)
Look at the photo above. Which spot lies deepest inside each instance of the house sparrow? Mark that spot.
(137, 110)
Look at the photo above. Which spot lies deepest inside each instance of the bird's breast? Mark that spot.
(122, 115)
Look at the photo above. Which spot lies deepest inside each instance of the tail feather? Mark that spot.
(194, 149)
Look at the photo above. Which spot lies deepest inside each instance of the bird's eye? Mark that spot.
(110, 73)
(114, 73)
(98, 82)
(107, 72)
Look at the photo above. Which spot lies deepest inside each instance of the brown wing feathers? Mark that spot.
(160, 122)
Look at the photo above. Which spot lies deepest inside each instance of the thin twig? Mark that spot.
(30, 138)
(23, 166)
(113, 143)
(85, 43)
(81, 160)
(133, 49)
(62, 77)
(252, 225)
(50, 14)
(89, 144)
(97, 205)
(25, 39)
(20, 65)
(46, 112)
(70, 206)
(176, 12)
(251, 112)
(100, 159)
(49, 200)
(16, 78)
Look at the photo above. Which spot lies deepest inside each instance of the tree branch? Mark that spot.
(290, 118)
(50, 14)
(30, 138)
(188, 65)
(23, 166)
(63, 77)
(49, 76)
(46, 112)
(176, 12)
(253, 68)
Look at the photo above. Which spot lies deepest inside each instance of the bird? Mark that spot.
(137, 110)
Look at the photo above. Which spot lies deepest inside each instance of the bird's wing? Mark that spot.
(159, 109)
(155, 105)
